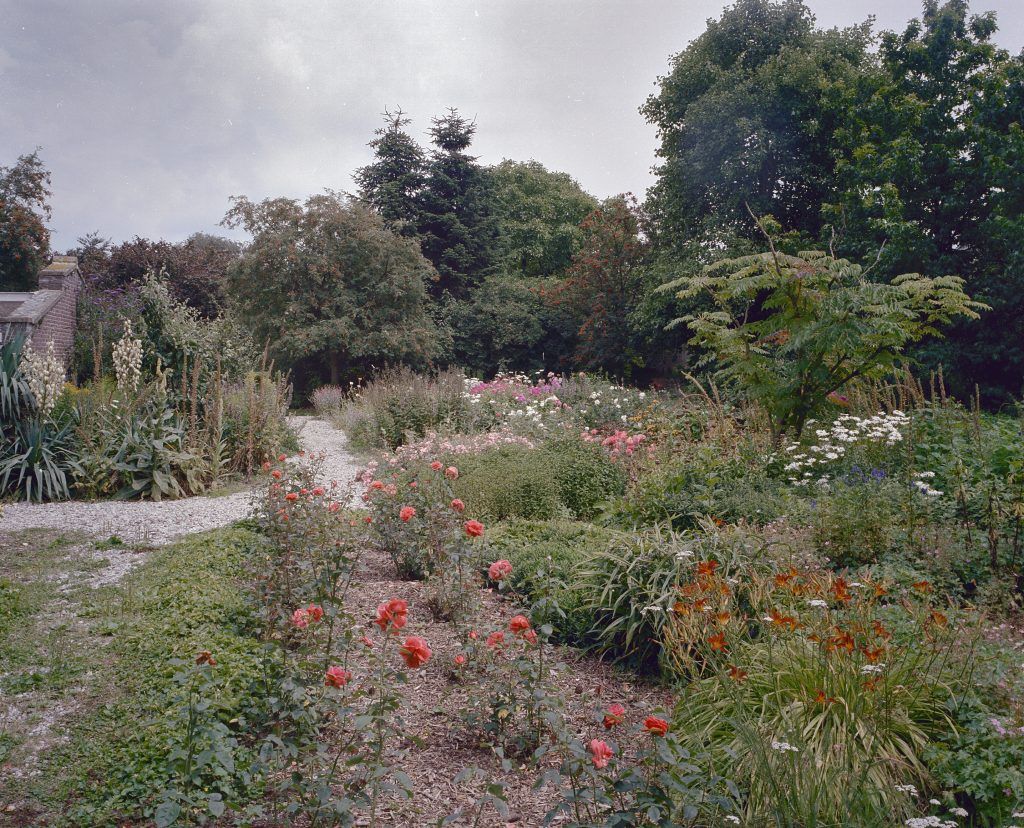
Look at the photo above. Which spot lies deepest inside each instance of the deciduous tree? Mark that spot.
(326, 283)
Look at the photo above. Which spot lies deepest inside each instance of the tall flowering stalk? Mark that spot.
(127, 356)
(45, 376)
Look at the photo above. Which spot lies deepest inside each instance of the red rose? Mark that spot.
(319, 490)
(530, 636)
(496, 639)
(266, 466)
(436, 465)
(655, 726)
(499, 570)
(460, 660)
(600, 753)
(291, 497)
(336, 676)
(458, 505)
(276, 474)
(281, 458)
(377, 484)
(415, 652)
(316, 613)
(616, 713)
(300, 618)
(407, 513)
(474, 528)
(519, 624)
(392, 616)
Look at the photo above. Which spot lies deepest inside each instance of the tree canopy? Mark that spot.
(326, 281)
(24, 211)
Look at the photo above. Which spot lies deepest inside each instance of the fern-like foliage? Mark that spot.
(789, 330)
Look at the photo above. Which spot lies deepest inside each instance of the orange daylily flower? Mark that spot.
(717, 642)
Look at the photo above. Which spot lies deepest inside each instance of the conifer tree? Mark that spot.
(458, 231)
(391, 185)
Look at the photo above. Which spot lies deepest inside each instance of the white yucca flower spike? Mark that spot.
(45, 376)
(128, 360)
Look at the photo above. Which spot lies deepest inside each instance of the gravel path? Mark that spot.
(157, 523)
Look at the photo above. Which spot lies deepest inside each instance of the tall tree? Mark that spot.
(604, 286)
(745, 117)
(539, 214)
(326, 284)
(458, 231)
(24, 211)
(393, 182)
(929, 171)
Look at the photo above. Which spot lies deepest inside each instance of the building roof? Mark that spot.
(27, 308)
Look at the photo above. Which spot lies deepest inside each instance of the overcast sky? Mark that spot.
(151, 113)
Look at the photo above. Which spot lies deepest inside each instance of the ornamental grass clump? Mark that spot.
(822, 695)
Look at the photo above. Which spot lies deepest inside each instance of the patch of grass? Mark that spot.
(185, 599)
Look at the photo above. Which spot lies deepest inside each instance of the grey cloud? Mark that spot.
(151, 114)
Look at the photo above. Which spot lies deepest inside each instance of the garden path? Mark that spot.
(153, 524)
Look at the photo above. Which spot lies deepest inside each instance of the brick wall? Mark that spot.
(59, 323)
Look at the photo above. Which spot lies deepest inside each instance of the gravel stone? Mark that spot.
(146, 522)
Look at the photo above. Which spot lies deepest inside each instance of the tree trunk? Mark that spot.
(335, 363)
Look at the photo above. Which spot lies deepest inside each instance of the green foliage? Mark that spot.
(508, 482)
(927, 175)
(457, 227)
(856, 522)
(393, 183)
(503, 324)
(564, 477)
(788, 331)
(184, 599)
(542, 551)
(152, 458)
(15, 394)
(539, 213)
(585, 475)
(982, 762)
(38, 460)
(746, 116)
(327, 282)
(603, 287)
(398, 405)
(708, 480)
(628, 588)
(24, 211)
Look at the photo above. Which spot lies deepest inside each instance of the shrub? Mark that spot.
(789, 331)
(708, 481)
(855, 522)
(400, 405)
(327, 400)
(38, 460)
(983, 762)
(554, 549)
(509, 482)
(584, 474)
(630, 588)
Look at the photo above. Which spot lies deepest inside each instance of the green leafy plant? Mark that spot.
(38, 461)
(789, 331)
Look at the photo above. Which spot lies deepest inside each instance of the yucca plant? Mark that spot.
(15, 396)
(37, 460)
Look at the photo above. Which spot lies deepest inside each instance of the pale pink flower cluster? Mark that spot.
(617, 443)
(435, 445)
